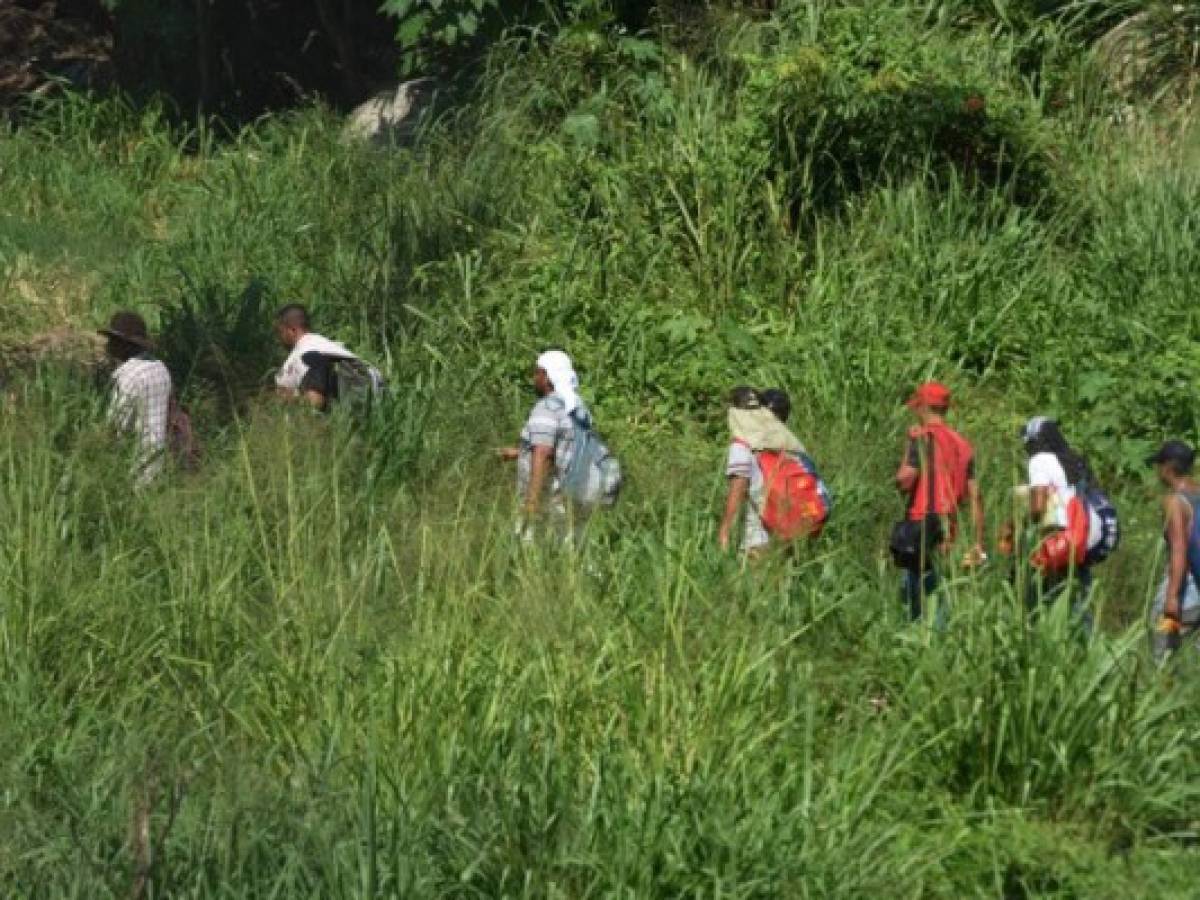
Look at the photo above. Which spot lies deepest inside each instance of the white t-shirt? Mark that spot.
(740, 463)
(294, 368)
(1045, 471)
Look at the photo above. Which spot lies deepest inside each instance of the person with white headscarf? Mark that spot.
(547, 448)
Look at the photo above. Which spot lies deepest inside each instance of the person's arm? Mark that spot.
(1045, 479)
(537, 478)
(1038, 499)
(319, 381)
(734, 498)
(978, 521)
(1177, 532)
(508, 454)
(1006, 542)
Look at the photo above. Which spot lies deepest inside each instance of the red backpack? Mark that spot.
(796, 501)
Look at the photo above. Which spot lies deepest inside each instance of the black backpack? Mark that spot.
(359, 384)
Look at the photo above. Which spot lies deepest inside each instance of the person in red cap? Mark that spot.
(937, 475)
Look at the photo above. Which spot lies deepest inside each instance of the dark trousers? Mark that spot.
(1044, 589)
(916, 586)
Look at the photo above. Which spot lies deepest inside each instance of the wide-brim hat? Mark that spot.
(129, 327)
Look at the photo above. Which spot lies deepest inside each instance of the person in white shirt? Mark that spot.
(311, 370)
(1057, 476)
(140, 399)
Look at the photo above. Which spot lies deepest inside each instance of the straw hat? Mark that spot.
(129, 327)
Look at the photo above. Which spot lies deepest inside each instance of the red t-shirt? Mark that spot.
(953, 467)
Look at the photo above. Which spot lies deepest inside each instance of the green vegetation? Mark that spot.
(322, 667)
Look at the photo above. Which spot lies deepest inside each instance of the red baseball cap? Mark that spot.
(931, 393)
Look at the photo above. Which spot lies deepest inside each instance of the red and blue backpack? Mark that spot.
(796, 501)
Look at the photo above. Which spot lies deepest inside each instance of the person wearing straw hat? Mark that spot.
(140, 398)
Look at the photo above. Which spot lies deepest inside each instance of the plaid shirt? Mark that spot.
(140, 406)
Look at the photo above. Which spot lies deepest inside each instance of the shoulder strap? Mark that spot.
(1193, 504)
(931, 497)
(930, 479)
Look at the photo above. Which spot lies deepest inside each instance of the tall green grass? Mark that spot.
(322, 667)
(329, 689)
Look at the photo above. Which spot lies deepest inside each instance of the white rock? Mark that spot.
(392, 116)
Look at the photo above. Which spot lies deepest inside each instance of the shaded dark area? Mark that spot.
(231, 58)
(44, 41)
(236, 59)
(239, 59)
(217, 344)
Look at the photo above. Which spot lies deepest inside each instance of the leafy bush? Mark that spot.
(865, 98)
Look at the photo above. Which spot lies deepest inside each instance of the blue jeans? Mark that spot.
(1189, 609)
(915, 587)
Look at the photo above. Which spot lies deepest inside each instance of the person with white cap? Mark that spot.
(140, 399)
(554, 434)
(1066, 525)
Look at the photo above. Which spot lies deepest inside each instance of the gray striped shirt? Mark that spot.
(548, 425)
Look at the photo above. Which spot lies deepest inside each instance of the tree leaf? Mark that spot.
(397, 9)
(582, 128)
(411, 30)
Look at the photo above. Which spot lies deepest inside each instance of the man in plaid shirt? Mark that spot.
(140, 402)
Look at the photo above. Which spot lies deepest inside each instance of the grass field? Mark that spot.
(322, 667)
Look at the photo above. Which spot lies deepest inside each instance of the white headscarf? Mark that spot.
(559, 369)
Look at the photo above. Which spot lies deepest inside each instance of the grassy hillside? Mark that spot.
(322, 666)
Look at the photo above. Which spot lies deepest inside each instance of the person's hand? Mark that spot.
(1168, 624)
(723, 538)
(915, 433)
(975, 557)
(508, 454)
(1006, 543)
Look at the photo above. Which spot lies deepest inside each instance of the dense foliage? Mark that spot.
(321, 666)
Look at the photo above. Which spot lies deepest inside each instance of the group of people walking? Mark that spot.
(565, 473)
(1069, 524)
